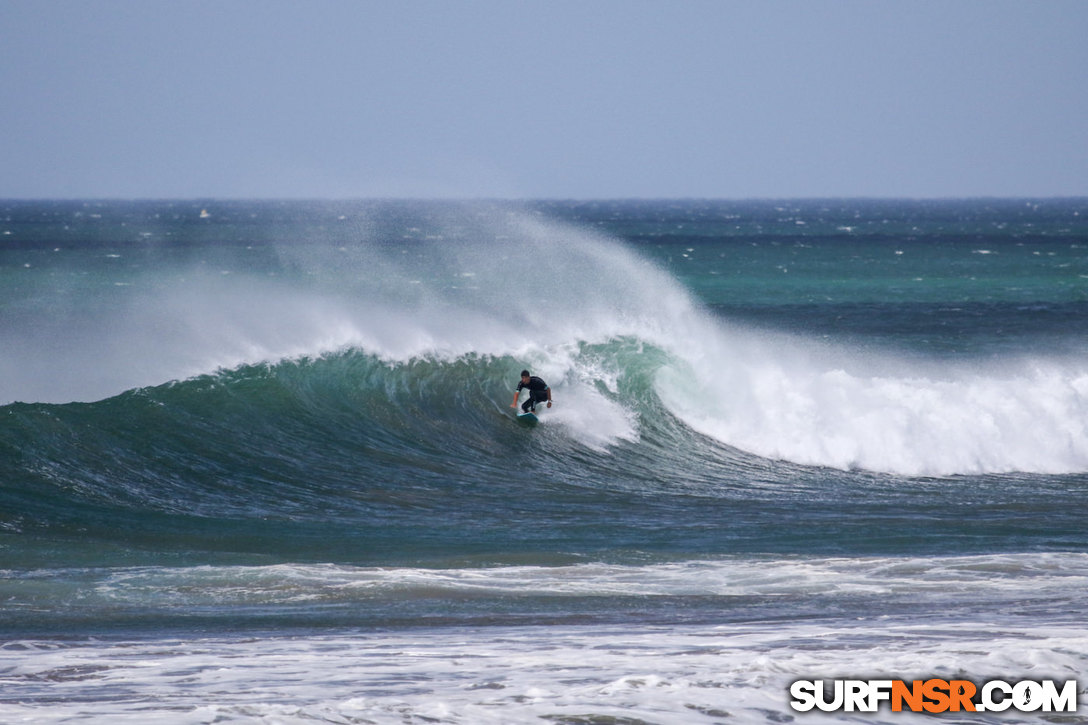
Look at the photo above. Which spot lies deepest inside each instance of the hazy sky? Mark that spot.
(556, 99)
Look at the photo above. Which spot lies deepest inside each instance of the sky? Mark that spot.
(557, 99)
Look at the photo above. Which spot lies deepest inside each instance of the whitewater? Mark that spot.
(500, 284)
(257, 462)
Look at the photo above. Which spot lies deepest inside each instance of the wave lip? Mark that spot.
(594, 318)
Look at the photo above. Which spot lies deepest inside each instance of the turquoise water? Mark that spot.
(790, 439)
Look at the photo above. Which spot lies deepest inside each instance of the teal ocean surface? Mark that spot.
(258, 464)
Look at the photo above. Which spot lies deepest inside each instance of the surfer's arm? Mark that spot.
(515, 403)
(549, 397)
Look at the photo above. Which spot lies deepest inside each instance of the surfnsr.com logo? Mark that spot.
(934, 695)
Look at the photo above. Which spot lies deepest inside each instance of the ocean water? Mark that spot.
(258, 465)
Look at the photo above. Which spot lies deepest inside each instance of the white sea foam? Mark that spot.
(1017, 577)
(663, 674)
(513, 285)
(784, 398)
(967, 619)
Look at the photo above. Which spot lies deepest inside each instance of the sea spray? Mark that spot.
(293, 489)
(447, 282)
(502, 283)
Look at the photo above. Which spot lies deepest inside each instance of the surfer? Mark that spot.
(538, 392)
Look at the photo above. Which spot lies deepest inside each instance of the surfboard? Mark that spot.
(528, 418)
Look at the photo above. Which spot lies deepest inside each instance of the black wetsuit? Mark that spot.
(538, 393)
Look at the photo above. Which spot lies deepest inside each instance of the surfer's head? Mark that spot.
(525, 375)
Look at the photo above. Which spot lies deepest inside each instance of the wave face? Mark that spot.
(299, 370)
(272, 442)
(477, 292)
